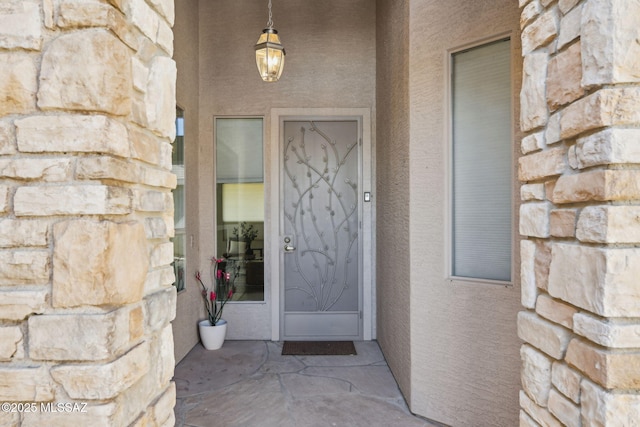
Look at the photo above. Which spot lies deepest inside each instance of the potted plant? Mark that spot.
(247, 234)
(213, 329)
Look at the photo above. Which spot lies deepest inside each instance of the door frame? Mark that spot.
(366, 263)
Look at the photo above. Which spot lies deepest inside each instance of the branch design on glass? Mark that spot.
(322, 218)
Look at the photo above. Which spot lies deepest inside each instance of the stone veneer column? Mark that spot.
(581, 213)
(87, 108)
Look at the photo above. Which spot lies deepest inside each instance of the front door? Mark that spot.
(320, 244)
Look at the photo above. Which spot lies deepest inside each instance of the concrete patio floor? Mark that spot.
(249, 383)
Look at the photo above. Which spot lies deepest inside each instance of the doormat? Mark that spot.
(318, 348)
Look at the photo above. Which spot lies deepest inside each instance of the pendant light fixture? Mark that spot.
(269, 52)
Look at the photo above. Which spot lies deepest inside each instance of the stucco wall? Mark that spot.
(464, 346)
(392, 202)
(187, 60)
(330, 63)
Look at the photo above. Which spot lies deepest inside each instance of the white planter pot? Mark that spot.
(212, 337)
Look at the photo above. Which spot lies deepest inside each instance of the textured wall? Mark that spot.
(330, 63)
(464, 347)
(392, 178)
(187, 95)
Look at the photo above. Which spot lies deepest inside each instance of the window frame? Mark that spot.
(449, 163)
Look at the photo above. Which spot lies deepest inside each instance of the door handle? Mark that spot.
(289, 248)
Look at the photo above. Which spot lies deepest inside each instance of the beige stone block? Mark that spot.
(68, 82)
(610, 48)
(48, 170)
(609, 146)
(98, 263)
(556, 311)
(151, 201)
(20, 25)
(144, 18)
(564, 410)
(81, 14)
(540, 32)
(166, 360)
(166, 9)
(566, 380)
(543, 335)
(597, 185)
(17, 305)
(606, 107)
(564, 81)
(533, 105)
(105, 167)
(16, 233)
(75, 133)
(572, 157)
(570, 27)
(546, 3)
(542, 164)
(94, 415)
(552, 131)
(81, 337)
(71, 200)
(613, 333)
(610, 369)
(156, 228)
(160, 97)
(163, 407)
(535, 374)
(7, 138)
(523, 3)
(158, 178)
(528, 288)
(526, 420)
(566, 5)
(542, 264)
(162, 255)
(166, 153)
(609, 224)
(530, 192)
(24, 267)
(140, 74)
(160, 308)
(25, 384)
(145, 146)
(603, 281)
(601, 408)
(102, 382)
(4, 198)
(534, 219)
(10, 343)
(529, 13)
(18, 83)
(563, 222)
(533, 142)
(540, 415)
(10, 419)
(164, 38)
(158, 279)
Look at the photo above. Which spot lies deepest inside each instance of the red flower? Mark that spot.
(230, 294)
(212, 296)
(219, 274)
(228, 276)
(198, 275)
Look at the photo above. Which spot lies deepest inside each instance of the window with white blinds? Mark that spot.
(482, 156)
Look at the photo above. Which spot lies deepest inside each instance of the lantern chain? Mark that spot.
(270, 21)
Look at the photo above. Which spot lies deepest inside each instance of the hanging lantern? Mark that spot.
(270, 53)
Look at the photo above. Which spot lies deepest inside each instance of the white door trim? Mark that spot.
(278, 115)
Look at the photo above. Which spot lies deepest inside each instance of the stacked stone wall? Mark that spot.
(580, 214)
(87, 109)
